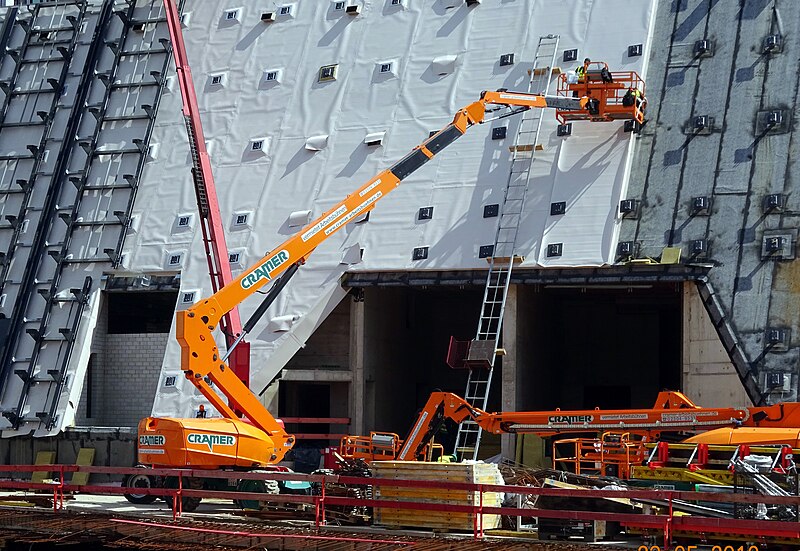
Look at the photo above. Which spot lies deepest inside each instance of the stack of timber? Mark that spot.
(469, 472)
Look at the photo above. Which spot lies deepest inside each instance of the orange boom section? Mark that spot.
(672, 412)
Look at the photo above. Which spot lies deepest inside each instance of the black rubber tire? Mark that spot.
(140, 480)
(259, 486)
(188, 504)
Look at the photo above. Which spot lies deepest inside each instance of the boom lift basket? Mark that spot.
(608, 89)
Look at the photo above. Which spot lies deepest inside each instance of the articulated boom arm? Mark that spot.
(200, 357)
(672, 412)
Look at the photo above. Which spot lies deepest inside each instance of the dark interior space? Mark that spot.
(407, 332)
(140, 312)
(300, 399)
(576, 348)
(607, 347)
(311, 400)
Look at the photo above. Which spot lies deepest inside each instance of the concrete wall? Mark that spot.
(709, 377)
(113, 448)
(132, 364)
(125, 371)
(97, 376)
(329, 346)
(357, 395)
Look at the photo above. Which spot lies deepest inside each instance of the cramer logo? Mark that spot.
(211, 440)
(263, 271)
(152, 440)
(570, 419)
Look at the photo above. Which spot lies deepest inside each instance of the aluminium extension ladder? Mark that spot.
(482, 349)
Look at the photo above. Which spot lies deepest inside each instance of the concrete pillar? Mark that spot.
(357, 399)
(269, 398)
(511, 363)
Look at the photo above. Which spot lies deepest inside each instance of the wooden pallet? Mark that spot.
(477, 473)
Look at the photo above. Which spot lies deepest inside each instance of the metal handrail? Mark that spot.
(665, 522)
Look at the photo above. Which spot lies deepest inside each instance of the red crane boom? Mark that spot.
(207, 204)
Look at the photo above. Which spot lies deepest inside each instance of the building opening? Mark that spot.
(607, 347)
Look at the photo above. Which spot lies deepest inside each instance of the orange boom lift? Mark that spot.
(672, 412)
(230, 441)
(260, 440)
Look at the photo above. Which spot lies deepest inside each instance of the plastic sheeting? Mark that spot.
(413, 97)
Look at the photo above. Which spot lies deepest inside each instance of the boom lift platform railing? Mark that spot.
(613, 454)
(606, 90)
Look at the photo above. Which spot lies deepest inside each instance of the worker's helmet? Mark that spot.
(587, 60)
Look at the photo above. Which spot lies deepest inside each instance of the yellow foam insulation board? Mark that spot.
(85, 459)
(43, 458)
(476, 473)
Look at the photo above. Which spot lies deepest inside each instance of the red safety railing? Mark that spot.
(664, 523)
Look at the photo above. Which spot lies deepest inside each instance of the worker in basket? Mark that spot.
(634, 97)
(580, 71)
(578, 75)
